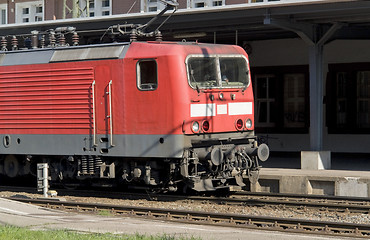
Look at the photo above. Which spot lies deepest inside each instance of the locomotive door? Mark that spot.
(149, 110)
(148, 97)
(103, 109)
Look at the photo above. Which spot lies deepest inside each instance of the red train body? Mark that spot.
(153, 114)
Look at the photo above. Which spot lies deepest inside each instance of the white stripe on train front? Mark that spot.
(203, 110)
(221, 109)
(209, 109)
(240, 108)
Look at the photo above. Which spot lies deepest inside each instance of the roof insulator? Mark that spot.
(61, 40)
(14, 43)
(75, 39)
(42, 41)
(4, 43)
(34, 39)
(158, 36)
(52, 39)
(133, 35)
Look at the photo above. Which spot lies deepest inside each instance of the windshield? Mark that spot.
(218, 71)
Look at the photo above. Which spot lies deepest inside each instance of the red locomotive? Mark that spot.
(153, 114)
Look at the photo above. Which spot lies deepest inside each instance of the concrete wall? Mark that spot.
(278, 52)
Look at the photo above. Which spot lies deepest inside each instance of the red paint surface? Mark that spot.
(57, 98)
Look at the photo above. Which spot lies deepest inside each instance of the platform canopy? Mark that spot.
(230, 23)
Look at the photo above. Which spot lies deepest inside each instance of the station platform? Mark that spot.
(315, 182)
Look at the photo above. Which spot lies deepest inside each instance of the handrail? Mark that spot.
(110, 113)
(94, 122)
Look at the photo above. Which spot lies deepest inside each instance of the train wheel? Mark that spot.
(11, 166)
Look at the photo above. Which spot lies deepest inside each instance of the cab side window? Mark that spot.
(147, 74)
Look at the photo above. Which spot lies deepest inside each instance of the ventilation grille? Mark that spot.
(46, 99)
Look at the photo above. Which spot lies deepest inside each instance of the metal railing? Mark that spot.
(110, 116)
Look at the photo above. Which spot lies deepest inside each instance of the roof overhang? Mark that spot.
(231, 22)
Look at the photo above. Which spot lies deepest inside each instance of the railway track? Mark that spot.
(220, 219)
(320, 203)
(326, 203)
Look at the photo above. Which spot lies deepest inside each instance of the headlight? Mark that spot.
(239, 124)
(205, 126)
(221, 96)
(248, 123)
(195, 127)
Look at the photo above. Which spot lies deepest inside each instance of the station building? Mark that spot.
(310, 59)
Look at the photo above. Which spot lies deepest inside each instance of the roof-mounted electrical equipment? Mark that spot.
(140, 30)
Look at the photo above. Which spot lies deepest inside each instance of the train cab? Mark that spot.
(196, 100)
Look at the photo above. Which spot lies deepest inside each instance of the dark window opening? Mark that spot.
(348, 94)
(25, 11)
(199, 5)
(281, 99)
(217, 3)
(152, 9)
(147, 75)
(105, 3)
(38, 9)
(218, 72)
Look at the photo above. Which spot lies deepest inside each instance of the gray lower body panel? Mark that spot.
(170, 146)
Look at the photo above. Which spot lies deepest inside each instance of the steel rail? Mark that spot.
(336, 203)
(308, 196)
(322, 203)
(219, 219)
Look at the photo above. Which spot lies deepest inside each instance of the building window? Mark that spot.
(105, 7)
(265, 98)
(96, 8)
(348, 93)
(105, 3)
(151, 5)
(217, 3)
(39, 9)
(200, 4)
(146, 71)
(363, 99)
(205, 3)
(257, 1)
(3, 16)
(26, 11)
(341, 101)
(152, 9)
(281, 99)
(294, 100)
(32, 11)
(91, 4)
(91, 10)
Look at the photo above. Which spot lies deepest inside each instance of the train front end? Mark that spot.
(222, 150)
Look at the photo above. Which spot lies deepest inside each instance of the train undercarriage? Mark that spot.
(202, 168)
